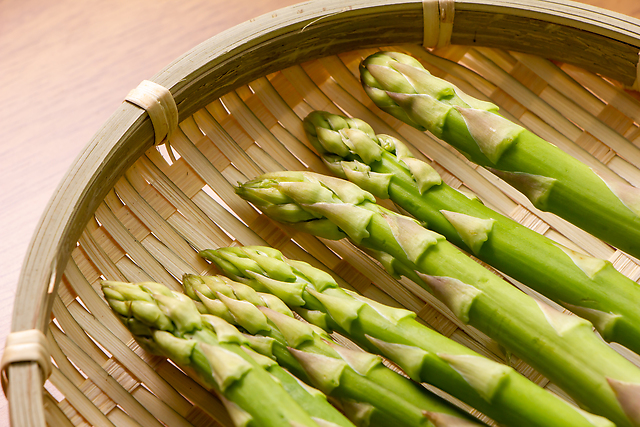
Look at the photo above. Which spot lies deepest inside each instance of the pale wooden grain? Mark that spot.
(65, 68)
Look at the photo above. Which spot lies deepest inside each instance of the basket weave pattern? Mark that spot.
(179, 199)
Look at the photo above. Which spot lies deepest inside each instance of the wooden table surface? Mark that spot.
(65, 66)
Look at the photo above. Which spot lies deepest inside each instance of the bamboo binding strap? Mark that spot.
(159, 103)
(25, 346)
(438, 22)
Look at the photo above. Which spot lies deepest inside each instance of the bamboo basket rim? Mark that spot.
(201, 75)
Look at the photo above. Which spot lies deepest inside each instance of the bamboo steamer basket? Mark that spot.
(130, 210)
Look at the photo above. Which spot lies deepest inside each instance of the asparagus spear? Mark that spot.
(562, 347)
(589, 287)
(426, 356)
(167, 323)
(605, 206)
(368, 391)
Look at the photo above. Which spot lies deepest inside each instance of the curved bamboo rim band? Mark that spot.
(159, 103)
(25, 346)
(438, 22)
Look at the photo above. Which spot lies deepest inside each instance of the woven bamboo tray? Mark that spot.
(128, 210)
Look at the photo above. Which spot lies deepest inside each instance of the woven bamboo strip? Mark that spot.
(558, 79)
(304, 85)
(112, 388)
(54, 415)
(150, 246)
(104, 249)
(71, 329)
(91, 392)
(170, 190)
(209, 169)
(274, 103)
(159, 408)
(100, 259)
(297, 155)
(190, 209)
(153, 221)
(128, 242)
(121, 419)
(605, 90)
(142, 246)
(78, 400)
(140, 368)
(61, 361)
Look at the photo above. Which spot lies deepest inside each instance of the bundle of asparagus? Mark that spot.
(254, 389)
(562, 347)
(494, 389)
(198, 332)
(601, 203)
(383, 165)
(369, 393)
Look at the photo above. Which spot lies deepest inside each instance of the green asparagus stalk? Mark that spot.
(426, 356)
(605, 206)
(367, 390)
(562, 347)
(383, 165)
(168, 324)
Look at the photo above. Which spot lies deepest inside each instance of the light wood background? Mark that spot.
(65, 66)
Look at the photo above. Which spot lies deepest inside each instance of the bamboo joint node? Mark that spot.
(438, 22)
(159, 104)
(25, 346)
